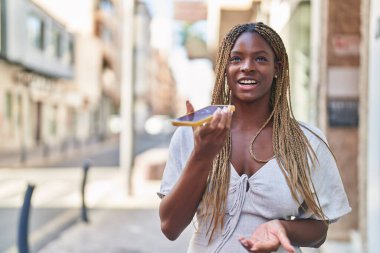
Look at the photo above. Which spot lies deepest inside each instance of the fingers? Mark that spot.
(284, 240)
(247, 244)
(229, 117)
(250, 246)
(221, 119)
(189, 107)
(216, 117)
(265, 246)
(257, 246)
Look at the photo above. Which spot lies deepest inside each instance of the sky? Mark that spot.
(74, 14)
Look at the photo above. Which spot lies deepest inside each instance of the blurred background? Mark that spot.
(88, 88)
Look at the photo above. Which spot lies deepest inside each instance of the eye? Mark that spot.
(235, 59)
(261, 59)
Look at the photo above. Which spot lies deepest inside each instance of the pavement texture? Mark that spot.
(118, 222)
(118, 231)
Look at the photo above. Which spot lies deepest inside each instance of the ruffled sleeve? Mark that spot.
(329, 189)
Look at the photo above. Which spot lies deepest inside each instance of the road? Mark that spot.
(109, 155)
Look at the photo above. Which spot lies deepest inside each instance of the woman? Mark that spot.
(258, 180)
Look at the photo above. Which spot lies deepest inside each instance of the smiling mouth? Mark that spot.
(247, 82)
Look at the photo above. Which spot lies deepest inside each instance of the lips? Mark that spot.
(247, 81)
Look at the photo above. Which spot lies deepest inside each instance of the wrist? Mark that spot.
(201, 159)
(202, 156)
(284, 224)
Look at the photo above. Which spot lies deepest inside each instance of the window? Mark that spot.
(53, 120)
(106, 6)
(8, 105)
(36, 34)
(19, 110)
(71, 51)
(57, 42)
(106, 34)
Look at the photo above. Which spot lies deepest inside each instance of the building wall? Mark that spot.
(7, 107)
(341, 100)
(47, 97)
(223, 15)
(296, 37)
(369, 129)
(22, 16)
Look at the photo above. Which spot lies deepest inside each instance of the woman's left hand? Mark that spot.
(267, 238)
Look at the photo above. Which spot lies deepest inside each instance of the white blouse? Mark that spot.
(264, 196)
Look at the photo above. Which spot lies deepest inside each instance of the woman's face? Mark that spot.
(251, 68)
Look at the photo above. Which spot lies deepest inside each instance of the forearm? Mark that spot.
(306, 233)
(177, 209)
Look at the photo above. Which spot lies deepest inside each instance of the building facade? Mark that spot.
(37, 66)
(53, 93)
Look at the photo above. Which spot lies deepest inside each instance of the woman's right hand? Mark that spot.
(177, 209)
(211, 136)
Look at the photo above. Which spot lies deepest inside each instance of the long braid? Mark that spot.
(290, 146)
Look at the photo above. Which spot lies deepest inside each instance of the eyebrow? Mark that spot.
(256, 52)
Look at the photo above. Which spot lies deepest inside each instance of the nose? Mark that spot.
(246, 66)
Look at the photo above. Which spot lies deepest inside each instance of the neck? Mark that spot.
(248, 115)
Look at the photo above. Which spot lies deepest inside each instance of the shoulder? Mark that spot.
(182, 140)
(313, 133)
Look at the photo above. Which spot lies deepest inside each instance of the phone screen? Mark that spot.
(200, 114)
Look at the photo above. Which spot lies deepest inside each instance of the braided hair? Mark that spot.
(290, 146)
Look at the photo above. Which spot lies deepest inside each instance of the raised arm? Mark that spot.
(177, 209)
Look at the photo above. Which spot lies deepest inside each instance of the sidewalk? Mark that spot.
(118, 223)
(117, 231)
(123, 225)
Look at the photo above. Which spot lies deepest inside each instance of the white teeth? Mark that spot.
(247, 82)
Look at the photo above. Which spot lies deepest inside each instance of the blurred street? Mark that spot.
(56, 199)
(118, 223)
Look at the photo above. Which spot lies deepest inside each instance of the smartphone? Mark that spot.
(200, 116)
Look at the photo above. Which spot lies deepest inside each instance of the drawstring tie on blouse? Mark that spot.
(239, 190)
